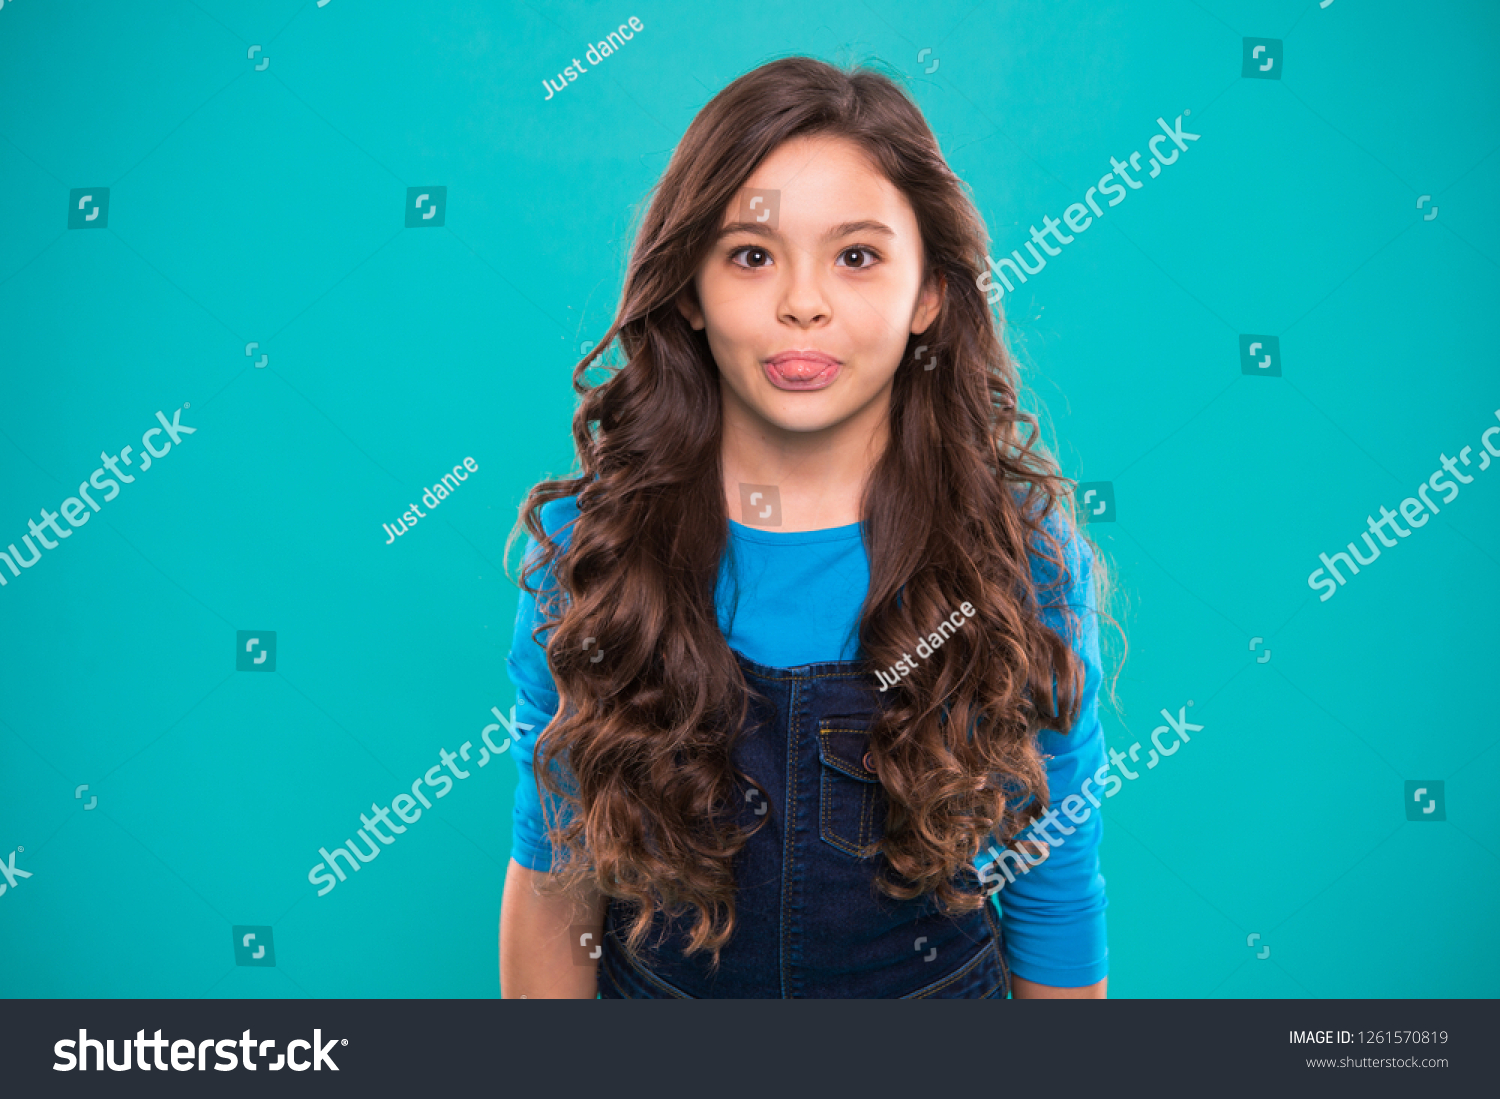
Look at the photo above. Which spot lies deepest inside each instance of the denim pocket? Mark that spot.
(982, 977)
(851, 801)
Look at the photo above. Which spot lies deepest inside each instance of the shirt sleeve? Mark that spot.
(1053, 915)
(537, 704)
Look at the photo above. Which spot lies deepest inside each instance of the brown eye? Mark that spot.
(866, 255)
(751, 249)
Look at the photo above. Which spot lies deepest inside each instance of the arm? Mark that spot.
(1053, 914)
(537, 930)
(1022, 989)
(537, 960)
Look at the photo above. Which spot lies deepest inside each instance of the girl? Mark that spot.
(805, 658)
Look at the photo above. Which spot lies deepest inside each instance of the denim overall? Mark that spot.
(809, 920)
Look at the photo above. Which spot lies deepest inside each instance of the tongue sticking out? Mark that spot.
(800, 370)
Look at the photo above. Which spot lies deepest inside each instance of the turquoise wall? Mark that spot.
(257, 278)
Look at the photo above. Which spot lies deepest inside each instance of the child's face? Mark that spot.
(804, 279)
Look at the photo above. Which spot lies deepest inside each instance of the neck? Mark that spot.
(819, 476)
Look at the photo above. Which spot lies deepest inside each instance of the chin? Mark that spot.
(808, 420)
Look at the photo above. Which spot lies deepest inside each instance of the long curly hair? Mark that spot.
(958, 500)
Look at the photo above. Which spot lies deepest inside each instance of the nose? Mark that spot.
(804, 302)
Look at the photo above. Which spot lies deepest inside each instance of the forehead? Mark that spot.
(822, 180)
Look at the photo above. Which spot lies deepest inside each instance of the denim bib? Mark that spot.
(809, 920)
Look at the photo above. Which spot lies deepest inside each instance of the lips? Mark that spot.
(801, 369)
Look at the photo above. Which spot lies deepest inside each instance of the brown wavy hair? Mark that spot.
(956, 503)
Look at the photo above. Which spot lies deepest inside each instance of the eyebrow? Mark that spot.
(843, 229)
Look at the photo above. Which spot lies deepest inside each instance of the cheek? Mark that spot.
(877, 312)
(735, 318)
(878, 330)
(736, 363)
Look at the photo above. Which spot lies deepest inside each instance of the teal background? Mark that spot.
(267, 206)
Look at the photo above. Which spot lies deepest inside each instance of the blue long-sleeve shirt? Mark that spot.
(791, 598)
